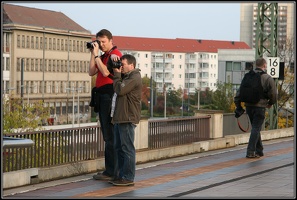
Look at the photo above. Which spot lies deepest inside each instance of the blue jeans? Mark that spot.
(125, 150)
(107, 132)
(257, 116)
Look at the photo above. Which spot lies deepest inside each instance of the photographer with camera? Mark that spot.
(256, 110)
(126, 112)
(102, 95)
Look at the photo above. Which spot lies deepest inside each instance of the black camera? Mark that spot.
(90, 45)
(116, 64)
(238, 112)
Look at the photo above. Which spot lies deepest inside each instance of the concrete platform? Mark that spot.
(223, 173)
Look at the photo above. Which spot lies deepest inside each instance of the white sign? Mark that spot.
(273, 66)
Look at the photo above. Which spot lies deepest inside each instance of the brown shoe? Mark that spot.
(112, 180)
(102, 177)
(122, 182)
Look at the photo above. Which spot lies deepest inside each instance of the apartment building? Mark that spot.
(45, 58)
(188, 64)
(248, 21)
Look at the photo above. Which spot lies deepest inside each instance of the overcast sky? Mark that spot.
(193, 20)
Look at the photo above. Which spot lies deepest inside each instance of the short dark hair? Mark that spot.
(130, 59)
(260, 62)
(104, 32)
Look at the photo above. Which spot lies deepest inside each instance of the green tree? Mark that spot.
(223, 98)
(23, 117)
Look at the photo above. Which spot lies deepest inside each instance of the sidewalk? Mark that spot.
(224, 173)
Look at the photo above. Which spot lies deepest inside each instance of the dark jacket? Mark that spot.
(128, 89)
(269, 89)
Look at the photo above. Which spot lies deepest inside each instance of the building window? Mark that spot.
(8, 63)
(50, 44)
(18, 64)
(73, 44)
(36, 64)
(41, 42)
(45, 43)
(58, 44)
(228, 66)
(28, 42)
(37, 43)
(18, 41)
(62, 44)
(237, 66)
(32, 42)
(77, 46)
(23, 41)
(54, 43)
(41, 65)
(27, 64)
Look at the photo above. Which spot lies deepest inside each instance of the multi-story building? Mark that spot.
(188, 64)
(45, 57)
(248, 22)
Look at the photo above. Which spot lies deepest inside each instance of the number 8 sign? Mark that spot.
(273, 66)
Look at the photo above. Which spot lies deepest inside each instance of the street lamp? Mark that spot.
(72, 104)
(198, 99)
(73, 116)
(78, 89)
(28, 91)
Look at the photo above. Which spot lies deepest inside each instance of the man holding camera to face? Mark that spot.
(102, 95)
(126, 113)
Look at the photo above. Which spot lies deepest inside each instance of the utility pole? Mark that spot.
(267, 45)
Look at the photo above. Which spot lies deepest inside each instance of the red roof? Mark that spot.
(20, 15)
(175, 45)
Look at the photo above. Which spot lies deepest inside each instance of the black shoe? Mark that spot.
(252, 155)
(260, 154)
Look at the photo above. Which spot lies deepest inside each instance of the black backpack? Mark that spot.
(251, 89)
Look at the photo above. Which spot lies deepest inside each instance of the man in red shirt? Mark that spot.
(102, 96)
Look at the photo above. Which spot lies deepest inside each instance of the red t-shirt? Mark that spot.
(101, 80)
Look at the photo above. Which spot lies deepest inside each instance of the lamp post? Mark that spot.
(165, 100)
(152, 97)
(72, 104)
(27, 87)
(78, 116)
(182, 108)
(198, 99)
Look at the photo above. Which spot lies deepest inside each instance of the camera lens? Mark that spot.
(117, 64)
(90, 45)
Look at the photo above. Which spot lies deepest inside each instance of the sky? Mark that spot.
(191, 20)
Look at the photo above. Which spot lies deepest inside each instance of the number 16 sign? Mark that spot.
(273, 66)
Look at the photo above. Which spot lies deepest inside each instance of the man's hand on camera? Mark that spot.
(239, 111)
(114, 57)
(118, 69)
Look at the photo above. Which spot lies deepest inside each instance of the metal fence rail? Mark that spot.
(61, 146)
(170, 132)
(54, 147)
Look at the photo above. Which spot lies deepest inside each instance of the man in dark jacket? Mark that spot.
(127, 84)
(256, 111)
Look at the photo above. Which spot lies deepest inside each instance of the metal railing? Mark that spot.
(61, 146)
(170, 132)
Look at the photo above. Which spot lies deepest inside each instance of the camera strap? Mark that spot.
(107, 56)
(239, 125)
